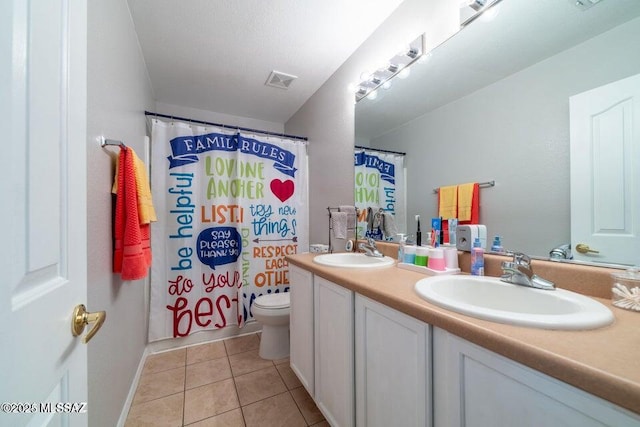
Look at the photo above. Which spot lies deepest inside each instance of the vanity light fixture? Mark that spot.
(470, 10)
(396, 66)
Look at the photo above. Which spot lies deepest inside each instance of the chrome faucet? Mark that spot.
(561, 252)
(370, 248)
(519, 272)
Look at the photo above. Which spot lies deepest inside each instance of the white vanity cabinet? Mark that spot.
(301, 326)
(333, 331)
(476, 387)
(393, 370)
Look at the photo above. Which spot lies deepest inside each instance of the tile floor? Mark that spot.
(223, 383)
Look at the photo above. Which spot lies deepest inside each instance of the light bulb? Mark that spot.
(365, 76)
(372, 95)
(386, 85)
(491, 13)
(425, 57)
(404, 73)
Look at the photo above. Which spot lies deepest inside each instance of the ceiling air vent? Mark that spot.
(280, 80)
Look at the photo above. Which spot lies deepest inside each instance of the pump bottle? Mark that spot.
(477, 258)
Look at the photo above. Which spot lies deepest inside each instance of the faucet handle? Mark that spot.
(521, 258)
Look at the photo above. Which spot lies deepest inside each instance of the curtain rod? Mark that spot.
(380, 150)
(264, 132)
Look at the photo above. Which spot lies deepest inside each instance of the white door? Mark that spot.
(43, 211)
(605, 173)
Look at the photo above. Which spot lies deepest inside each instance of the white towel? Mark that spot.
(351, 215)
(339, 226)
(389, 228)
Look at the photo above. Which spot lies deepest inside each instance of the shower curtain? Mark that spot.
(380, 184)
(230, 207)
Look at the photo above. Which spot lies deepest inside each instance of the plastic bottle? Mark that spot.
(409, 254)
(402, 241)
(496, 246)
(477, 258)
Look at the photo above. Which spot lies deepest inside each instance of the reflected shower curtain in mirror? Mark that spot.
(230, 207)
(379, 184)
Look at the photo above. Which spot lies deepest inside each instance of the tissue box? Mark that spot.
(467, 234)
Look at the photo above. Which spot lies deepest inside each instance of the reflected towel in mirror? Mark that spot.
(339, 224)
(469, 203)
(448, 202)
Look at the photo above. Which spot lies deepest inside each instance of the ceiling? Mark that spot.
(216, 55)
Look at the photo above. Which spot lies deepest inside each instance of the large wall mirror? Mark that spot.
(493, 104)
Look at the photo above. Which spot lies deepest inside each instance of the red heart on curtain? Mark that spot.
(282, 190)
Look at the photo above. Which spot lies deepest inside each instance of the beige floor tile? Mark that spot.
(209, 400)
(206, 372)
(307, 406)
(232, 418)
(249, 361)
(241, 344)
(208, 351)
(290, 379)
(259, 385)
(163, 361)
(276, 411)
(159, 384)
(166, 411)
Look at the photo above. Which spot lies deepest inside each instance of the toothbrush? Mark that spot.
(418, 232)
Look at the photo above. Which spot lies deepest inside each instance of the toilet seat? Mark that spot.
(273, 301)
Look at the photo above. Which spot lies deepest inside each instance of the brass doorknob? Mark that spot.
(583, 249)
(81, 317)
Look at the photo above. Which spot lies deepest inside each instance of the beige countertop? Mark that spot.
(604, 362)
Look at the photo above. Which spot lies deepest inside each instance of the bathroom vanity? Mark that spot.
(371, 352)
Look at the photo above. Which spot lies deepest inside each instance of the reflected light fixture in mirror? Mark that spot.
(470, 10)
(396, 66)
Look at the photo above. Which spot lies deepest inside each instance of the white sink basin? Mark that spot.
(491, 299)
(351, 260)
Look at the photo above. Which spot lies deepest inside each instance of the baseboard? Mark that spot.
(132, 389)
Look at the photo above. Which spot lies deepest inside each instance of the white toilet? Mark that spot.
(272, 311)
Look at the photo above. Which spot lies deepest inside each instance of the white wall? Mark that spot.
(327, 118)
(516, 132)
(118, 93)
(214, 117)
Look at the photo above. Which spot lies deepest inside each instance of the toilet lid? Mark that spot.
(279, 300)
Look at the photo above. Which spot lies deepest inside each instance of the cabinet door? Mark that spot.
(334, 379)
(392, 367)
(301, 326)
(476, 387)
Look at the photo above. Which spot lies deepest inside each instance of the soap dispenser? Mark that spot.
(496, 246)
(477, 258)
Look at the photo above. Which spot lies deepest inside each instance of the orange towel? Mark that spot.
(448, 202)
(146, 211)
(469, 203)
(132, 254)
